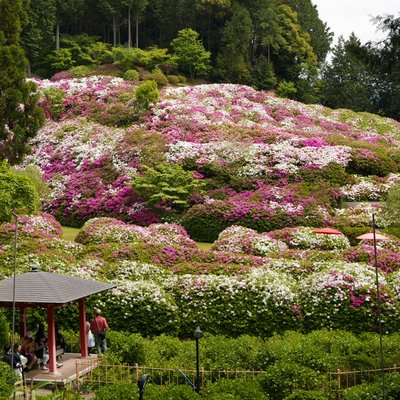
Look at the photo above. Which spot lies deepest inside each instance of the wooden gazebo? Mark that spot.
(49, 290)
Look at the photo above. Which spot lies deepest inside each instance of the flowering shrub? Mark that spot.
(238, 239)
(141, 306)
(105, 230)
(235, 305)
(42, 225)
(343, 295)
(369, 188)
(305, 238)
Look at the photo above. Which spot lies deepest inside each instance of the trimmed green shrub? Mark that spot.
(170, 392)
(203, 222)
(80, 71)
(284, 377)
(157, 76)
(366, 162)
(182, 79)
(119, 391)
(235, 389)
(131, 75)
(173, 79)
(129, 348)
(306, 395)
(147, 93)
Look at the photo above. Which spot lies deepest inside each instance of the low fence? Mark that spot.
(110, 374)
(341, 380)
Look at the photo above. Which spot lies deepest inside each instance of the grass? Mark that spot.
(204, 246)
(69, 233)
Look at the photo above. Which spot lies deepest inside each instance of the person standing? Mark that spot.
(99, 326)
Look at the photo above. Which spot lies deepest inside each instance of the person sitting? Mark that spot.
(28, 348)
(41, 347)
(19, 361)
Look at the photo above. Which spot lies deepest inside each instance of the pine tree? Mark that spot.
(20, 119)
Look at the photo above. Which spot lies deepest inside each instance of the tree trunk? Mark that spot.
(137, 29)
(58, 36)
(114, 31)
(129, 29)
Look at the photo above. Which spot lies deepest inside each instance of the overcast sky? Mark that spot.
(346, 16)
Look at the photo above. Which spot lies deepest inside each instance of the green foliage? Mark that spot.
(99, 52)
(181, 392)
(392, 206)
(17, 193)
(365, 162)
(120, 391)
(189, 53)
(203, 222)
(128, 347)
(158, 76)
(55, 97)
(373, 391)
(283, 377)
(306, 395)
(131, 75)
(7, 379)
(61, 60)
(173, 79)
(20, 118)
(4, 330)
(348, 82)
(80, 71)
(135, 57)
(235, 389)
(147, 93)
(167, 184)
(286, 89)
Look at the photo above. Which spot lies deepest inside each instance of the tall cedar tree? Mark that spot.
(20, 119)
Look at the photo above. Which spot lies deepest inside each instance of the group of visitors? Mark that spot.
(32, 351)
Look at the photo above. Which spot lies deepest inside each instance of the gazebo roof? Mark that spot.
(43, 288)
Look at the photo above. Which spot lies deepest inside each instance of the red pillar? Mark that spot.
(82, 328)
(51, 338)
(22, 321)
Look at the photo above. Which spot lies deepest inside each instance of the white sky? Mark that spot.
(346, 16)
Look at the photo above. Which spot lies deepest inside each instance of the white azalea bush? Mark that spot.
(260, 303)
(141, 306)
(370, 188)
(238, 239)
(343, 295)
(306, 238)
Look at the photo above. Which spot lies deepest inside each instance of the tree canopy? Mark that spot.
(20, 119)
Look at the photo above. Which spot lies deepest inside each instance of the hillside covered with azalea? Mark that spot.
(247, 171)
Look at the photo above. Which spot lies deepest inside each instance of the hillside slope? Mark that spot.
(266, 162)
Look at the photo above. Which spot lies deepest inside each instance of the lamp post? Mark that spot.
(13, 292)
(198, 334)
(375, 237)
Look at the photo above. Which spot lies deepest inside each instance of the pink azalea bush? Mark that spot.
(238, 239)
(104, 230)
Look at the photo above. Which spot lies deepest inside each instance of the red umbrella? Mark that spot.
(370, 236)
(327, 231)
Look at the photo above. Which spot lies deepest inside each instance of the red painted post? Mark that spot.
(51, 338)
(82, 328)
(22, 321)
